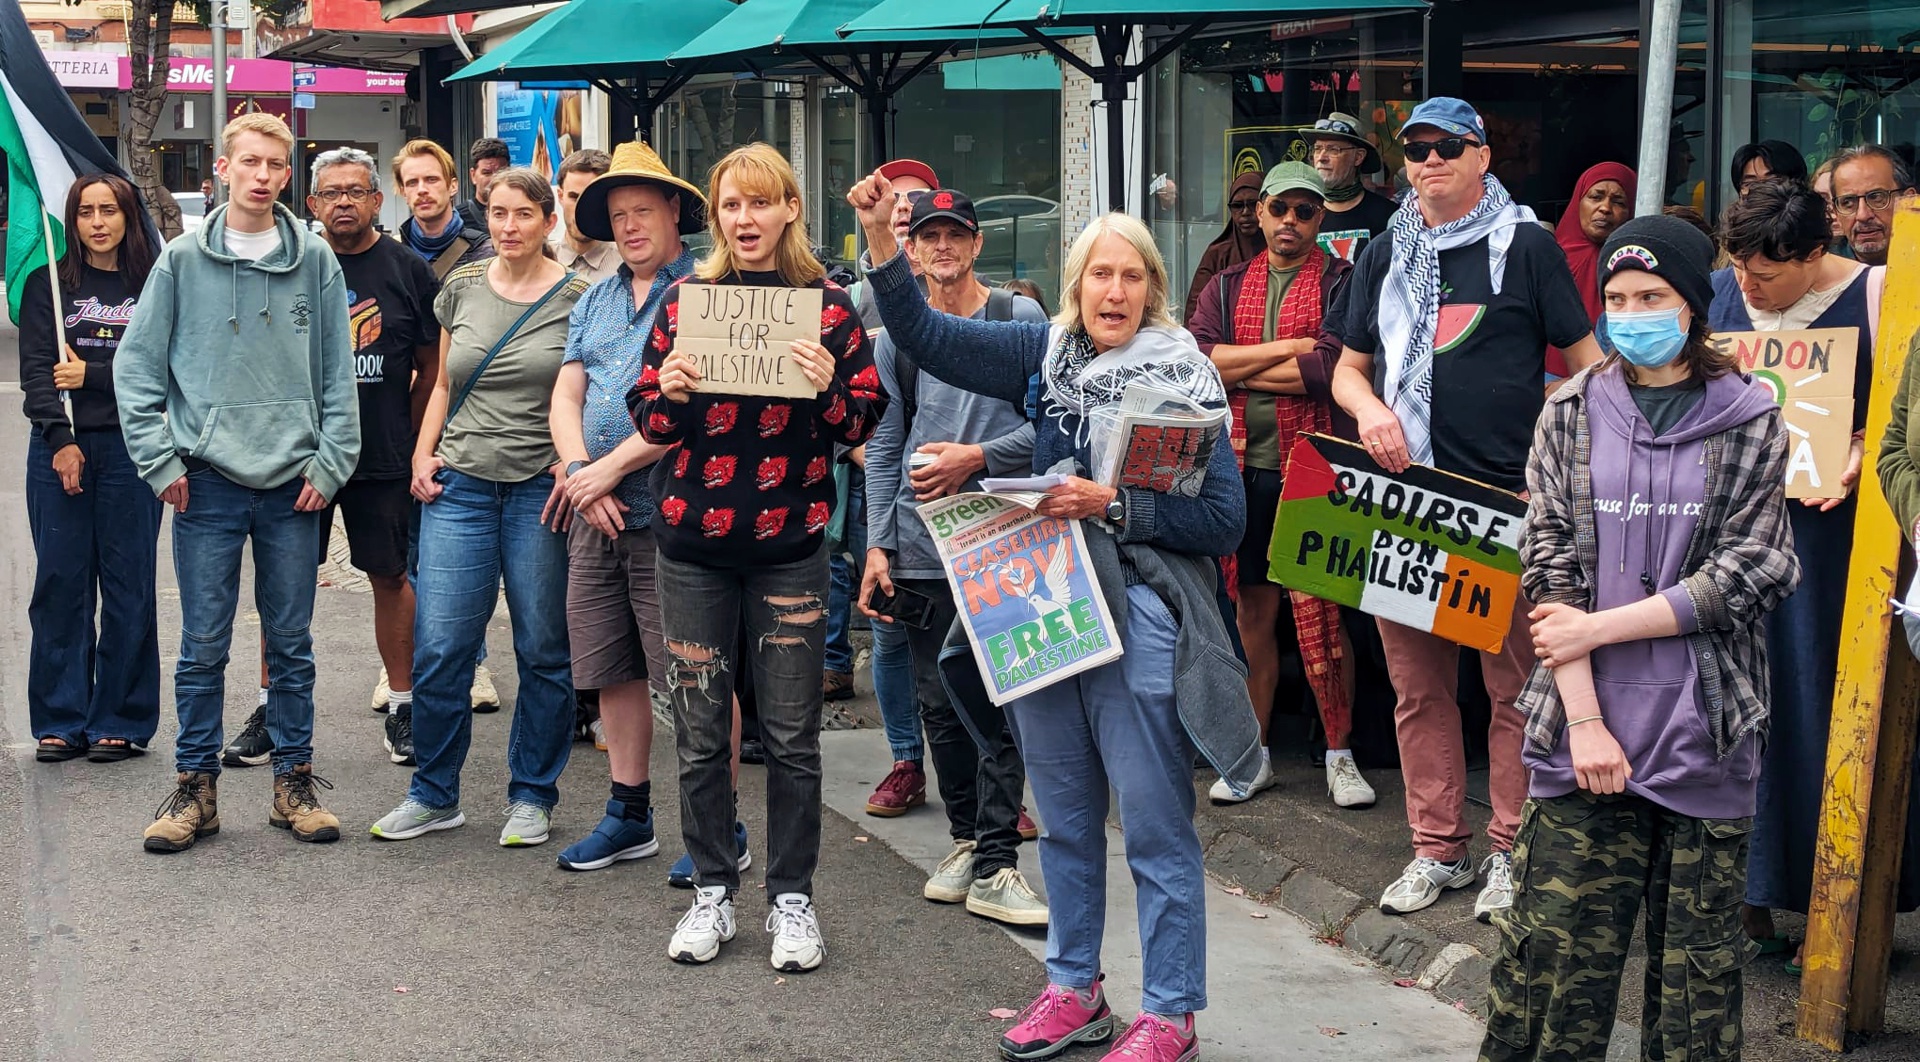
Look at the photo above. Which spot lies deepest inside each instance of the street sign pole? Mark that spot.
(217, 24)
(1663, 53)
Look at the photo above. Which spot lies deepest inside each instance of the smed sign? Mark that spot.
(1810, 372)
(739, 336)
(1426, 549)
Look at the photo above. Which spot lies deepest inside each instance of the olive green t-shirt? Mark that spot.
(500, 433)
(1263, 426)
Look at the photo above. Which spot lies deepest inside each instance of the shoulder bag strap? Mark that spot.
(498, 344)
(450, 257)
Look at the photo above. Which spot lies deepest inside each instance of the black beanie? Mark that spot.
(1668, 248)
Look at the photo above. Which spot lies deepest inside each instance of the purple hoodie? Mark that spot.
(1647, 496)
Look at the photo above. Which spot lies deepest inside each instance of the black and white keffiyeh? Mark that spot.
(1410, 298)
(1079, 381)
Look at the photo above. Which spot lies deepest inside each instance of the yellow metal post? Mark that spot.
(1870, 745)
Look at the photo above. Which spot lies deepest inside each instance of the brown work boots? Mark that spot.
(296, 806)
(190, 812)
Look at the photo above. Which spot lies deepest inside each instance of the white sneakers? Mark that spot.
(1222, 794)
(953, 877)
(797, 944)
(1425, 879)
(1497, 894)
(706, 925)
(1344, 783)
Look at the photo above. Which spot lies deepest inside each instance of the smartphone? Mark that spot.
(904, 606)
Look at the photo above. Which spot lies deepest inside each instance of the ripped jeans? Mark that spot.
(784, 606)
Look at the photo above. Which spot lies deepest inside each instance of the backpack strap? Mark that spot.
(449, 258)
(999, 304)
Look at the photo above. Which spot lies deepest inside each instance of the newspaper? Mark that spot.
(1025, 589)
(1155, 439)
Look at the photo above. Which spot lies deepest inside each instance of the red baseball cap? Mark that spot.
(899, 168)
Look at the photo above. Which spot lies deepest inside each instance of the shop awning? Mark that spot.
(1112, 24)
(874, 68)
(583, 41)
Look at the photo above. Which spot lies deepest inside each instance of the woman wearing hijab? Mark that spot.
(1238, 242)
(1602, 202)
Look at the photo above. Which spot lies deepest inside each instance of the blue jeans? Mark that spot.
(208, 537)
(843, 585)
(893, 688)
(475, 532)
(96, 546)
(1117, 725)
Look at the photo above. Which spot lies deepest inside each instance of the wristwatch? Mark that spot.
(574, 468)
(1117, 511)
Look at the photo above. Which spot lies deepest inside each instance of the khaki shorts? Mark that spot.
(613, 609)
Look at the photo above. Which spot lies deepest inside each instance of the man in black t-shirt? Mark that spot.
(1447, 326)
(1355, 214)
(396, 356)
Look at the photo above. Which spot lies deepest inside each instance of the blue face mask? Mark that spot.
(1648, 340)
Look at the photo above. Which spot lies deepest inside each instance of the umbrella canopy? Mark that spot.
(874, 67)
(573, 43)
(1110, 22)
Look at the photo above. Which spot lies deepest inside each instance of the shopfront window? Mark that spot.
(1822, 75)
(702, 124)
(988, 127)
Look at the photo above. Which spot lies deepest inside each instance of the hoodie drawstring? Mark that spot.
(233, 319)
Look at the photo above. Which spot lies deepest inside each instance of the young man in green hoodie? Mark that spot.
(237, 398)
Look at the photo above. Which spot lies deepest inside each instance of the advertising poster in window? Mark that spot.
(540, 125)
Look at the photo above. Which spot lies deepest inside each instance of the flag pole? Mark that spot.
(59, 310)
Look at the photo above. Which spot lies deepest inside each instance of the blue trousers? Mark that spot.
(473, 534)
(208, 537)
(893, 688)
(1117, 726)
(98, 547)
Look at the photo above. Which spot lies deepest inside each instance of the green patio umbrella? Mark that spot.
(587, 40)
(874, 68)
(1111, 23)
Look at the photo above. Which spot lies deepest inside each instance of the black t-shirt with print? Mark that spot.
(1346, 234)
(1489, 360)
(390, 312)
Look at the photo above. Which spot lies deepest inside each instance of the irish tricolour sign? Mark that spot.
(1426, 549)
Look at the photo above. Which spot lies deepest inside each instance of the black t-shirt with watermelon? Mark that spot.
(1489, 363)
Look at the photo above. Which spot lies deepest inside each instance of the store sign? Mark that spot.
(85, 70)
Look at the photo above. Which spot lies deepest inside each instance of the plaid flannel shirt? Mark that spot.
(1740, 562)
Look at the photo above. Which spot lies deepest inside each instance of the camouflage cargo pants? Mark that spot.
(1583, 866)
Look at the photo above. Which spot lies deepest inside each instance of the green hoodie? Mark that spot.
(245, 365)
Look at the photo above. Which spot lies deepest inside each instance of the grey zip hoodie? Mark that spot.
(244, 365)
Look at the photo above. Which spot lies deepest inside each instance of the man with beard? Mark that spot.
(488, 156)
(1868, 180)
(438, 233)
(1354, 214)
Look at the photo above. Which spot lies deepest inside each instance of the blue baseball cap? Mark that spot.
(1449, 115)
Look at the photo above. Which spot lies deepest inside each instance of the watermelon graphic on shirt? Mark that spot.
(1457, 322)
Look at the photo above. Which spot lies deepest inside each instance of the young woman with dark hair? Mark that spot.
(1656, 539)
(95, 524)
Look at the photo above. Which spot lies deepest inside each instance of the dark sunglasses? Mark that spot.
(1334, 125)
(1241, 206)
(1451, 148)
(914, 196)
(1302, 211)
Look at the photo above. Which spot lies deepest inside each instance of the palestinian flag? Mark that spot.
(47, 144)
(1426, 549)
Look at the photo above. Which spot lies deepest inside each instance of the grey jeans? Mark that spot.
(784, 607)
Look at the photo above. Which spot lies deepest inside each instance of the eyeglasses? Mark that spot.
(1876, 200)
(334, 195)
(1334, 125)
(1449, 149)
(1302, 211)
(1242, 206)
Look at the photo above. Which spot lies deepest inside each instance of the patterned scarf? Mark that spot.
(1079, 381)
(1300, 317)
(1410, 298)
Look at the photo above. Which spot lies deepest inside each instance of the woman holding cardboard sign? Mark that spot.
(1656, 539)
(1126, 723)
(493, 505)
(1782, 279)
(744, 504)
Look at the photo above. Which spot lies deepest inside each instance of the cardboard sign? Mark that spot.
(1810, 372)
(1026, 591)
(1426, 549)
(739, 336)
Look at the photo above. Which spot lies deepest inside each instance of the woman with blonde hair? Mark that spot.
(1126, 724)
(744, 503)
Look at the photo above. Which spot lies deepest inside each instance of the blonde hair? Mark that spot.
(266, 125)
(1132, 230)
(758, 169)
(413, 149)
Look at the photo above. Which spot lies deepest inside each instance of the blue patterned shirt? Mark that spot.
(608, 336)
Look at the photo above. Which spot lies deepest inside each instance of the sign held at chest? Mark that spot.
(740, 335)
(1426, 549)
(1810, 373)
